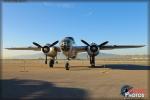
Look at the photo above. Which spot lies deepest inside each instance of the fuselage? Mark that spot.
(66, 46)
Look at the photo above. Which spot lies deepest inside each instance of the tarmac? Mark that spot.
(32, 79)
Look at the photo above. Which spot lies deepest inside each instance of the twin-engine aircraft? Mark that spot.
(68, 48)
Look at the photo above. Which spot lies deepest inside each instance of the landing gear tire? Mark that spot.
(67, 66)
(92, 65)
(45, 62)
(51, 63)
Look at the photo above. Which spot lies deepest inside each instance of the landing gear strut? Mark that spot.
(51, 63)
(92, 61)
(67, 66)
(46, 59)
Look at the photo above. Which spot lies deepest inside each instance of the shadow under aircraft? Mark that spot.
(35, 89)
(124, 66)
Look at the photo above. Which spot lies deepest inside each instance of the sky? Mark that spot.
(45, 22)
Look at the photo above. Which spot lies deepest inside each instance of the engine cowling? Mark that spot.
(93, 50)
(50, 51)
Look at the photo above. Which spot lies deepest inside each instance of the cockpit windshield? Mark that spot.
(67, 41)
(71, 38)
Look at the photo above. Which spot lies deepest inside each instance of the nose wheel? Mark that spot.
(51, 63)
(67, 66)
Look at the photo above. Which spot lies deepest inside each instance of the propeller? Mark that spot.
(85, 42)
(53, 43)
(102, 44)
(45, 48)
(93, 47)
(38, 45)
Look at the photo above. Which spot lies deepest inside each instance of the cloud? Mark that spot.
(59, 5)
(90, 13)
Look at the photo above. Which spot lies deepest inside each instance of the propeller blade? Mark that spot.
(102, 44)
(85, 42)
(38, 45)
(53, 43)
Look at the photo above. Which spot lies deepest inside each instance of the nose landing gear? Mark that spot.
(67, 66)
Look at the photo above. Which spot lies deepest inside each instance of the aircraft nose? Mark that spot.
(65, 46)
(65, 43)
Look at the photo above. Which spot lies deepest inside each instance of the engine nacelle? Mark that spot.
(50, 51)
(93, 50)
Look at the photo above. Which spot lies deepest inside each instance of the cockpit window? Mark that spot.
(67, 41)
(71, 38)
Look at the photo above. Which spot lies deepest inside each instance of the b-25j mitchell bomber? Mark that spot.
(68, 48)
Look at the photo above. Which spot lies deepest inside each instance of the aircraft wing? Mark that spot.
(108, 47)
(80, 48)
(29, 48)
(25, 48)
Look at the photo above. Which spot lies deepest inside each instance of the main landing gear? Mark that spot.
(67, 66)
(92, 61)
(51, 63)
